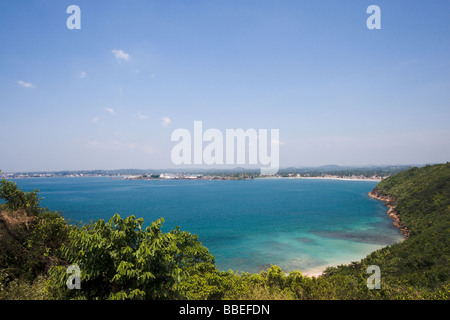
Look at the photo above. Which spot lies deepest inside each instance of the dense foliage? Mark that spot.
(422, 199)
(30, 239)
(122, 259)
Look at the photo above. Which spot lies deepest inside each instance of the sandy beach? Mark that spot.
(314, 273)
(322, 178)
(343, 179)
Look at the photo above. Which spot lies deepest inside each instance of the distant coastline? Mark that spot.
(354, 173)
(249, 177)
(199, 177)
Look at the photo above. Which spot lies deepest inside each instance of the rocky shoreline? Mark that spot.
(391, 203)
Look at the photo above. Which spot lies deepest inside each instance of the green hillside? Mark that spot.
(419, 266)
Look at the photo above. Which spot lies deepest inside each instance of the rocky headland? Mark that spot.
(391, 203)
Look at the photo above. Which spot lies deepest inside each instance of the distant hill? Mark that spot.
(330, 167)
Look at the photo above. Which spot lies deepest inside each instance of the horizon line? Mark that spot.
(230, 169)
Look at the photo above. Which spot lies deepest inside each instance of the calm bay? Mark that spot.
(298, 224)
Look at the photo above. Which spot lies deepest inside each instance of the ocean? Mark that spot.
(297, 224)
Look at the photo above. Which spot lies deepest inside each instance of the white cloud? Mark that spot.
(166, 121)
(82, 75)
(95, 120)
(26, 84)
(110, 110)
(121, 55)
(142, 116)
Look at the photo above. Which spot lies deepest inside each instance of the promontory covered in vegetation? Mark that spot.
(123, 258)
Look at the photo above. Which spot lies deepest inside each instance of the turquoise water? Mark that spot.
(298, 224)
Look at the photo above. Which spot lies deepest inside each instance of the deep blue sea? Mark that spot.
(298, 224)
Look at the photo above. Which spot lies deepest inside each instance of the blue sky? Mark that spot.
(108, 96)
